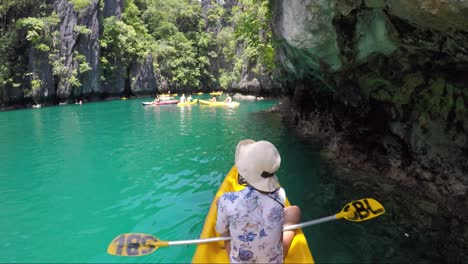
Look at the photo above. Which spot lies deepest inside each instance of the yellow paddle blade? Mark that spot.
(361, 210)
(134, 245)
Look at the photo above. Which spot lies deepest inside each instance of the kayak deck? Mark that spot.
(189, 103)
(231, 104)
(216, 253)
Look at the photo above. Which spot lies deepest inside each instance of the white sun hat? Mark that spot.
(257, 163)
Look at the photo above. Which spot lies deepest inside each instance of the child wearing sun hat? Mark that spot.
(254, 217)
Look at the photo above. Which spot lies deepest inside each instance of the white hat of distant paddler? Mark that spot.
(257, 163)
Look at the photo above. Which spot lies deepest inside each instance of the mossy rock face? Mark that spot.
(404, 92)
(436, 99)
(397, 99)
(382, 67)
(375, 87)
(41, 81)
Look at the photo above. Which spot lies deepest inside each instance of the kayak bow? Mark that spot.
(215, 252)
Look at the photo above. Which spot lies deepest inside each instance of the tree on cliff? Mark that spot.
(54, 49)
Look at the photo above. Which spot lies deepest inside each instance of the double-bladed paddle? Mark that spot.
(137, 244)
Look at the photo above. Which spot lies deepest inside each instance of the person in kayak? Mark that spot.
(228, 99)
(189, 98)
(254, 217)
(182, 98)
(156, 100)
(213, 99)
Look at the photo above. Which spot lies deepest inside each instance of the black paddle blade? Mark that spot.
(132, 245)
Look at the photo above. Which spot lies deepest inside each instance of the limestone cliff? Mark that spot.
(64, 65)
(247, 73)
(387, 79)
(80, 32)
(79, 36)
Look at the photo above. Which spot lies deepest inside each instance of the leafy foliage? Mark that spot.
(191, 48)
(252, 28)
(80, 4)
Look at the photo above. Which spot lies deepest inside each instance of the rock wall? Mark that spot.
(143, 79)
(88, 46)
(113, 8)
(68, 37)
(71, 70)
(41, 78)
(115, 82)
(251, 78)
(80, 30)
(385, 82)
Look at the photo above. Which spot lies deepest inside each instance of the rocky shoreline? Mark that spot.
(425, 206)
(382, 86)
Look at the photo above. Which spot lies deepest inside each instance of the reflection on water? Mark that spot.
(185, 120)
(89, 173)
(101, 169)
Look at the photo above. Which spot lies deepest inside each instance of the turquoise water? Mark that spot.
(74, 177)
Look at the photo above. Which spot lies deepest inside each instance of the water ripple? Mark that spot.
(100, 169)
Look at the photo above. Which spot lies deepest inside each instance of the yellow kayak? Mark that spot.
(215, 252)
(190, 103)
(216, 93)
(231, 104)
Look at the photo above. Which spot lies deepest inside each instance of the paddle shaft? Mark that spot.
(197, 241)
(136, 244)
(216, 239)
(312, 222)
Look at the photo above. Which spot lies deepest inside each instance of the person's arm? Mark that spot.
(222, 221)
(292, 216)
(222, 224)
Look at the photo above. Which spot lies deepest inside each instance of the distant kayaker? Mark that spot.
(228, 99)
(254, 217)
(156, 100)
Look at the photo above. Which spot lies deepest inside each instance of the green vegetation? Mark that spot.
(80, 4)
(191, 48)
(24, 24)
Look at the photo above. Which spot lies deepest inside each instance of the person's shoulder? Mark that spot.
(229, 197)
(282, 193)
(228, 194)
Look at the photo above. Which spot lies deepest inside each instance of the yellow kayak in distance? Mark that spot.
(190, 103)
(231, 104)
(216, 93)
(215, 252)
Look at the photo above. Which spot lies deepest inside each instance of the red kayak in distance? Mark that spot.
(161, 102)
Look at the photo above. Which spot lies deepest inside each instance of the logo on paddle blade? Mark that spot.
(132, 245)
(362, 210)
